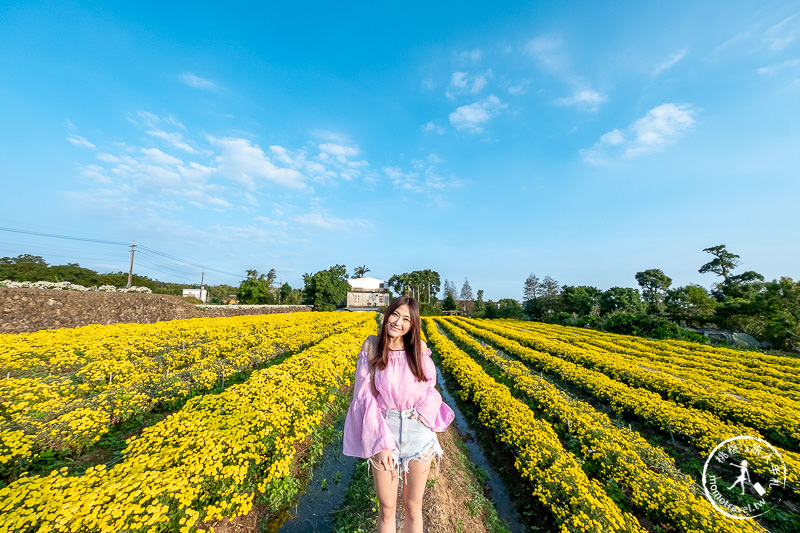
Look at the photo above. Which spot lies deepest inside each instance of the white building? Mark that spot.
(201, 294)
(367, 292)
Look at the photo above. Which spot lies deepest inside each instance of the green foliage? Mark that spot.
(449, 303)
(690, 304)
(360, 271)
(326, 289)
(579, 300)
(653, 283)
(257, 289)
(479, 311)
(621, 299)
(722, 264)
(420, 284)
(509, 308)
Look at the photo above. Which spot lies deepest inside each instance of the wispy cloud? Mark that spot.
(670, 62)
(193, 80)
(77, 140)
(465, 83)
(585, 98)
(324, 221)
(784, 33)
(473, 117)
(660, 127)
(423, 176)
(242, 161)
(432, 126)
(784, 65)
(548, 52)
(175, 139)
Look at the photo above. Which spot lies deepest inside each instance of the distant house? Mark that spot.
(367, 292)
(201, 294)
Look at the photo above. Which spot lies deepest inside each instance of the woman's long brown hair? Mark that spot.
(411, 340)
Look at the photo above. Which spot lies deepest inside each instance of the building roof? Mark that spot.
(365, 283)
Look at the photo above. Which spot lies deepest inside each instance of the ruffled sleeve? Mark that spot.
(433, 412)
(365, 429)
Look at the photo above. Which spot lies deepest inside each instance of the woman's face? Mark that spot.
(399, 322)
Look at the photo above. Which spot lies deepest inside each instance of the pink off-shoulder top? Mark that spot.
(365, 430)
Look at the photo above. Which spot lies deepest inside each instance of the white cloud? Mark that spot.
(109, 158)
(660, 127)
(548, 51)
(462, 82)
(197, 82)
(243, 161)
(340, 151)
(772, 69)
(432, 126)
(175, 139)
(324, 221)
(783, 33)
(96, 173)
(424, 176)
(77, 140)
(584, 99)
(157, 157)
(474, 116)
(519, 89)
(669, 63)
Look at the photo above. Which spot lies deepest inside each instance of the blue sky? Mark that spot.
(483, 140)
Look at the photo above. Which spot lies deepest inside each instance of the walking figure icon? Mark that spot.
(744, 474)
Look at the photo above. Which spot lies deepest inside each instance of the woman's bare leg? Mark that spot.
(413, 490)
(386, 490)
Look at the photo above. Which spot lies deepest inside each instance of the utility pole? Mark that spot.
(130, 272)
(202, 278)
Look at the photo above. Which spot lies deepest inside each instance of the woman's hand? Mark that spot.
(383, 460)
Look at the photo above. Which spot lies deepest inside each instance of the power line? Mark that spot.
(56, 236)
(140, 248)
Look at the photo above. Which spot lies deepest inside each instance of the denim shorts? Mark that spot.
(413, 440)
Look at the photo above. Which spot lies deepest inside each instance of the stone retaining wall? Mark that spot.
(25, 310)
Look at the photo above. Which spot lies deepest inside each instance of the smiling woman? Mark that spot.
(396, 412)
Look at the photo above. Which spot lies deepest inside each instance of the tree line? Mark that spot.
(767, 310)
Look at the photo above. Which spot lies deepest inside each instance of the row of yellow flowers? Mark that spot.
(578, 503)
(777, 419)
(702, 429)
(656, 487)
(129, 375)
(202, 463)
(745, 376)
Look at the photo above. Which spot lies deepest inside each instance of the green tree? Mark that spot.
(24, 267)
(690, 304)
(722, 264)
(532, 288)
(742, 286)
(580, 300)
(326, 289)
(449, 303)
(360, 271)
(621, 299)
(509, 308)
(654, 284)
(255, 289)
(466, 297)
(779, 303)
(480, 306)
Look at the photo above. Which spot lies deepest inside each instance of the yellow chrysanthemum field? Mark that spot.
(599, 426)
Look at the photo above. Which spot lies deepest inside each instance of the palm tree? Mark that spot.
(360, 271)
